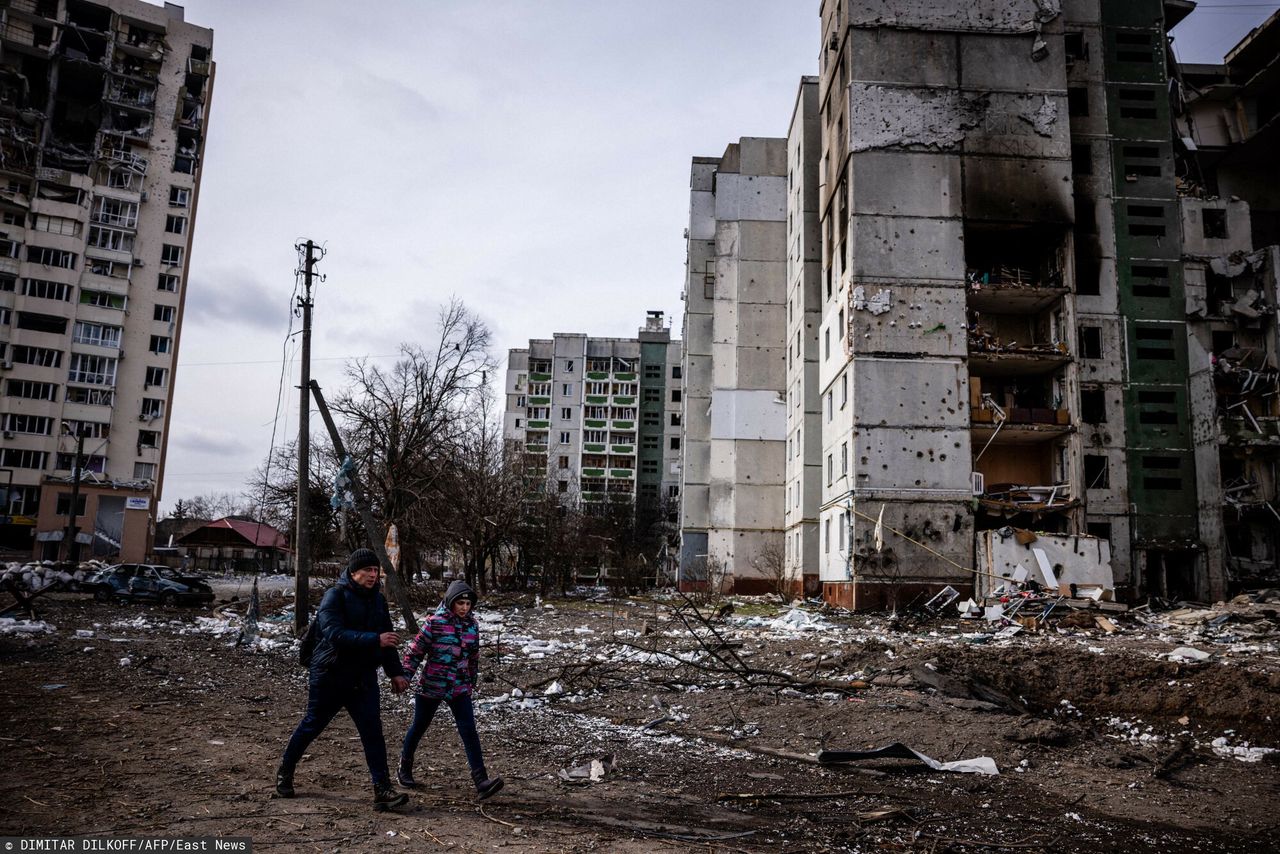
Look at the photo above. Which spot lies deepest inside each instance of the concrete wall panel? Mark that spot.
(898, 247)
(903, 56)
(911, 459)
(924, 320)
(751, 197)
(914, 393)
(906, 183)
(1018, 190)
(746, 414)
(1002, 16)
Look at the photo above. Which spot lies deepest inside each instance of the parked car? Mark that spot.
(128, 582)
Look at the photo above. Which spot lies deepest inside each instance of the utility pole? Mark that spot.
(73, 530)
(302, 540)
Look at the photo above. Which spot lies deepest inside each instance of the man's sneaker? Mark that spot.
(404, 774)
(284, 782)
(385, 798)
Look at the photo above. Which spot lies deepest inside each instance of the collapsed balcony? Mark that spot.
(1247, 384)
(1016, 344)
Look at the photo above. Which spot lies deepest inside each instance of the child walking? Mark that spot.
(450, 643)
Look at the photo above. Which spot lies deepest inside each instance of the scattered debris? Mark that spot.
(898, 750)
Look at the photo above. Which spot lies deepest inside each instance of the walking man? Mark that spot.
(354, 638)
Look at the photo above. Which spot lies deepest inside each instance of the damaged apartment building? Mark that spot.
(1228, 119)
(734, 372)
(103, 116)
(1003, 308)
(1003, 336)
(598, 419)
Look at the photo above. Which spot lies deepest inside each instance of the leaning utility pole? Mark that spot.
(396, 592)
(302, 540)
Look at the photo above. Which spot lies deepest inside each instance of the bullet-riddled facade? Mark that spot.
(734, 415)
(1003, 338)
(103, 116)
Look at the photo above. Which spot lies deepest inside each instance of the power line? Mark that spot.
(273, 361)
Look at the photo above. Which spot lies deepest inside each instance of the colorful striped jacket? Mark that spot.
(450, 647)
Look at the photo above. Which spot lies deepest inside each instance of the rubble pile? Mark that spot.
(38, 575)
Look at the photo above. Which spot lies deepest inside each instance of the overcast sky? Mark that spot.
(530, 157)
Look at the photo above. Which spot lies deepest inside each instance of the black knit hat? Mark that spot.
(361, 558)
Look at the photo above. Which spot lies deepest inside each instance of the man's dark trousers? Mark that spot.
(328, 696)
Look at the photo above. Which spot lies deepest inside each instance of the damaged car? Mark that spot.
(138, 582)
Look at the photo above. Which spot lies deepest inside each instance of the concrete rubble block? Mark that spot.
(1029, 190)
(917, 458)
(912, 57)
(910, 393)
(906, 183)
(908, 248)
(923, 319)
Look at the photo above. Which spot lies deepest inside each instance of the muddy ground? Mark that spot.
(1102, 742)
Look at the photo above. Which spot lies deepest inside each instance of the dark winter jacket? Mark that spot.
(451, 647)
(350, 620)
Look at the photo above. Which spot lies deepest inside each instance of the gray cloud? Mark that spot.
(236, 297)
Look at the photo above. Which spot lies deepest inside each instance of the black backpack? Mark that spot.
(308, 645)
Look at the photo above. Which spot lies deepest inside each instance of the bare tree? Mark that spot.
(405, 426)
(770, 562)
(215, 505)
(274, 493)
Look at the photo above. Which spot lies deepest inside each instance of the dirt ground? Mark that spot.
(133, 720)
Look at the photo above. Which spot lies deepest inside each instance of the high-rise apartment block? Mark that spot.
(735, 373)
(598, 417)
(1012, 297)
(103, 116)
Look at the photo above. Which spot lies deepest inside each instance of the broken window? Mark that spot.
(170, 255)
(116, 212)
(1096, 472)
(91, 396)
(675, 419)
(41, 289)
(675, 443)
(35, 425)
(35, 322)
(156, 377)
(160, 344)
(20, 459)
(96, 333)
(1077, 101)
(1214, 223)
(112, 239)
(1090, 342)
(676, 395)
(41, 357)
(564, 462)
(179, 197)
(175, 224)
(675, 372)
(1093, 406)
(151, 408)
(1101, 530)
(1223, 340)
(164, 313)
(1086, 215)
(1082, 159)
(102, 299)
(1074, 47)
(91, 370)
(51, 257)
(148, 438)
